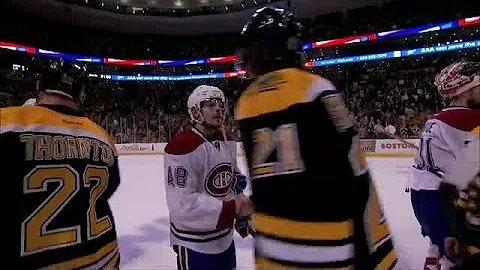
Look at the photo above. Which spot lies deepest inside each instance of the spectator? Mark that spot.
(390, 129)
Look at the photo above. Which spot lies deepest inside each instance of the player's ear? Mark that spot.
(196, 113)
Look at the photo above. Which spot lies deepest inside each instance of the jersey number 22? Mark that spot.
(35, 235)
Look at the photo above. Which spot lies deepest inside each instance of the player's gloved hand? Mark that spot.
(240, 183)
(243, 226)
(243, 205)
(452, 247)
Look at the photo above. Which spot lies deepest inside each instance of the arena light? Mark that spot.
(410, 31)
(169, 78)
(451, 46)
(178, 3)
(336, 61)
(465, 22)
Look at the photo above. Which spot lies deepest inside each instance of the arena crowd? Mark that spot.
(396, 94)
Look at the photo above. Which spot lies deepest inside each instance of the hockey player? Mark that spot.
(315, 204)
(201, 174)
(466, 176)
(58, 171)
(445, 135)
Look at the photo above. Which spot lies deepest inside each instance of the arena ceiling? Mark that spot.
(174, 4)
(69, 11)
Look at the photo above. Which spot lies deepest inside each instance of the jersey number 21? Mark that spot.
(283, 140)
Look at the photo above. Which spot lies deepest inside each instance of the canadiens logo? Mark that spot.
(219, 180)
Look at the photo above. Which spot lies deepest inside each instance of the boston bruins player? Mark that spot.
(464, 244)
(58, 171)
(315, 204)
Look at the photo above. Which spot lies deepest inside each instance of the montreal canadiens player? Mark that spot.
(443, 140)
(204, 187)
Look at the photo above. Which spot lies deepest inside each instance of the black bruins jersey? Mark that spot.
(58, 172)
(467, 216)
(315, 204)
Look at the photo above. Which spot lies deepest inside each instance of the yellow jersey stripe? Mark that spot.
(388, 261)
(113, 263)
(476, 131)
(266, 97)
(40, 119)
(301, 230)
(267, 264)
(473, 250)
(102, 253)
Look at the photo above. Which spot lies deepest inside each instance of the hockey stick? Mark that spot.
(381, 130)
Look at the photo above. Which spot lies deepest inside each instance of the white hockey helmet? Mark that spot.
(457, 78)
(30, 102)
(203, 93)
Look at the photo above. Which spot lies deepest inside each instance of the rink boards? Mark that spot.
(374, 148)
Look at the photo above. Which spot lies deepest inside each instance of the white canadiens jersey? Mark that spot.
(468, 163)
(198, 181)
(443, 141)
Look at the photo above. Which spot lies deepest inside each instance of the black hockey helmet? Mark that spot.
(63, 78)
(270, 41)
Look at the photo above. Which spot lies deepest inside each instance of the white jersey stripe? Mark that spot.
(275, 249)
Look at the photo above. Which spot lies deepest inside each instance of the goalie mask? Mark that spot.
(458, 78)
(205, 95)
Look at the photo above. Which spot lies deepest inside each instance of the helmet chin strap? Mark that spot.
(193, 118)
(198, 121)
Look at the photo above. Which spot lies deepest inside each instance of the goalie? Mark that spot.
(442, 142)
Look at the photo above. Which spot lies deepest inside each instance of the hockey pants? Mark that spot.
(430, 213)
(188, 259)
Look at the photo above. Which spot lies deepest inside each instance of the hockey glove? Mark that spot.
(243, 226)
(240, 183)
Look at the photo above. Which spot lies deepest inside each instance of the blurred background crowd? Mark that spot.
(397, 94)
